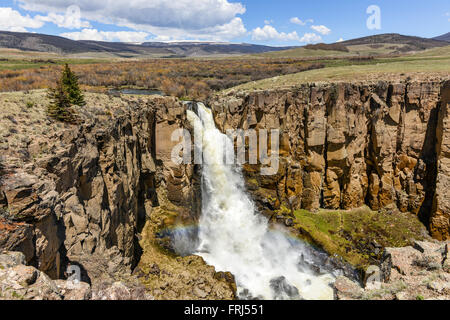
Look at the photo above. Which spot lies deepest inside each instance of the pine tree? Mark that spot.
(70, 81)
(60, 107)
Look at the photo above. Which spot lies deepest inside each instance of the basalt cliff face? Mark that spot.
(80, 195)
(345, 145)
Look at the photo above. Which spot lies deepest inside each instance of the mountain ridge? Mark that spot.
(56, 44)
(444, 37)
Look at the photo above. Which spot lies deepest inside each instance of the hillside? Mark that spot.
(60, 45)
(413, 43)
(377, 45)
(434, 64)
(444, 37)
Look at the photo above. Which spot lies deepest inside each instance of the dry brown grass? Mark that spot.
(178, 77)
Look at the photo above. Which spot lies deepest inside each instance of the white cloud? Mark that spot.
(268, 33)
(12, 20)
(340, 40)
(203, 19)
(234, 29)
(311, 38)
(94, 34)
(268, 21)
(70, 20)
(296, 20)
(321, 29)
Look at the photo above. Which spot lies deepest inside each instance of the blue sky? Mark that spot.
(282, 22)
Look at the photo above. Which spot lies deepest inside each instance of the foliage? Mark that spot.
(70, 81)
(66, 93)
(190, 78)
(324, 46)
(60, 107)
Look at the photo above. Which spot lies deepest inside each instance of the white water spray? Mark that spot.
(235, 238)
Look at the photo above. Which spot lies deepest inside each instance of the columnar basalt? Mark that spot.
(85, 192)
(344, 145)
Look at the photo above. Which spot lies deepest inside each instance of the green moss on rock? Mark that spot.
(358, 235)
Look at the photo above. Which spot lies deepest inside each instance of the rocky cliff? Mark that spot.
(104, 194)
(80, 195)
(344, 145)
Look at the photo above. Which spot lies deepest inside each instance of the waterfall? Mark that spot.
(234, 237)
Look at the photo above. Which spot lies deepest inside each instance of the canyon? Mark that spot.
(345, 145)
(105, 195)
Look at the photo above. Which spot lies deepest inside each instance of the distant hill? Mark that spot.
(372, 45)
(48, 43)
(377, 45)
(411, 43)
(444, 37)
(211, 48)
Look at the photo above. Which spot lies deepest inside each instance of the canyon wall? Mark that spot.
(345, 145)
(85, 191)
(81, 194)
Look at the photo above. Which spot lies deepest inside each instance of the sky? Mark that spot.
(268, 22)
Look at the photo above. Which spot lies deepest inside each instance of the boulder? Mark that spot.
(346, 289)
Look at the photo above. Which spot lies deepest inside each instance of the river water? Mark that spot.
(234, 237)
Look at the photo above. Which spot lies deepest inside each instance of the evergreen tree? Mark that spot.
(70, 81)
(60, 105)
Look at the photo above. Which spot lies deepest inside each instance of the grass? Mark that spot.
(302, 53)
(23, 64)
(352, 234)
(368, 70)
(355, 50)
(435, 52)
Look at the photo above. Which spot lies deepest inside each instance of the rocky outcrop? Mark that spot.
(411, 273)
(18, 281)
(81, 194)
(345, 145)
(21, 282)
(441, 201)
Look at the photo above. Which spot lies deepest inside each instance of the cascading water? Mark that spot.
(234, 237)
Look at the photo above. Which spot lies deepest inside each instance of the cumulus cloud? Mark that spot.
(296, 20)
(340, 40)
(321, 29)
(94, 34)
(208, 19)
(70, 20)
(234, 29)
(311, 38)
(12, 20)
(268, 33)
